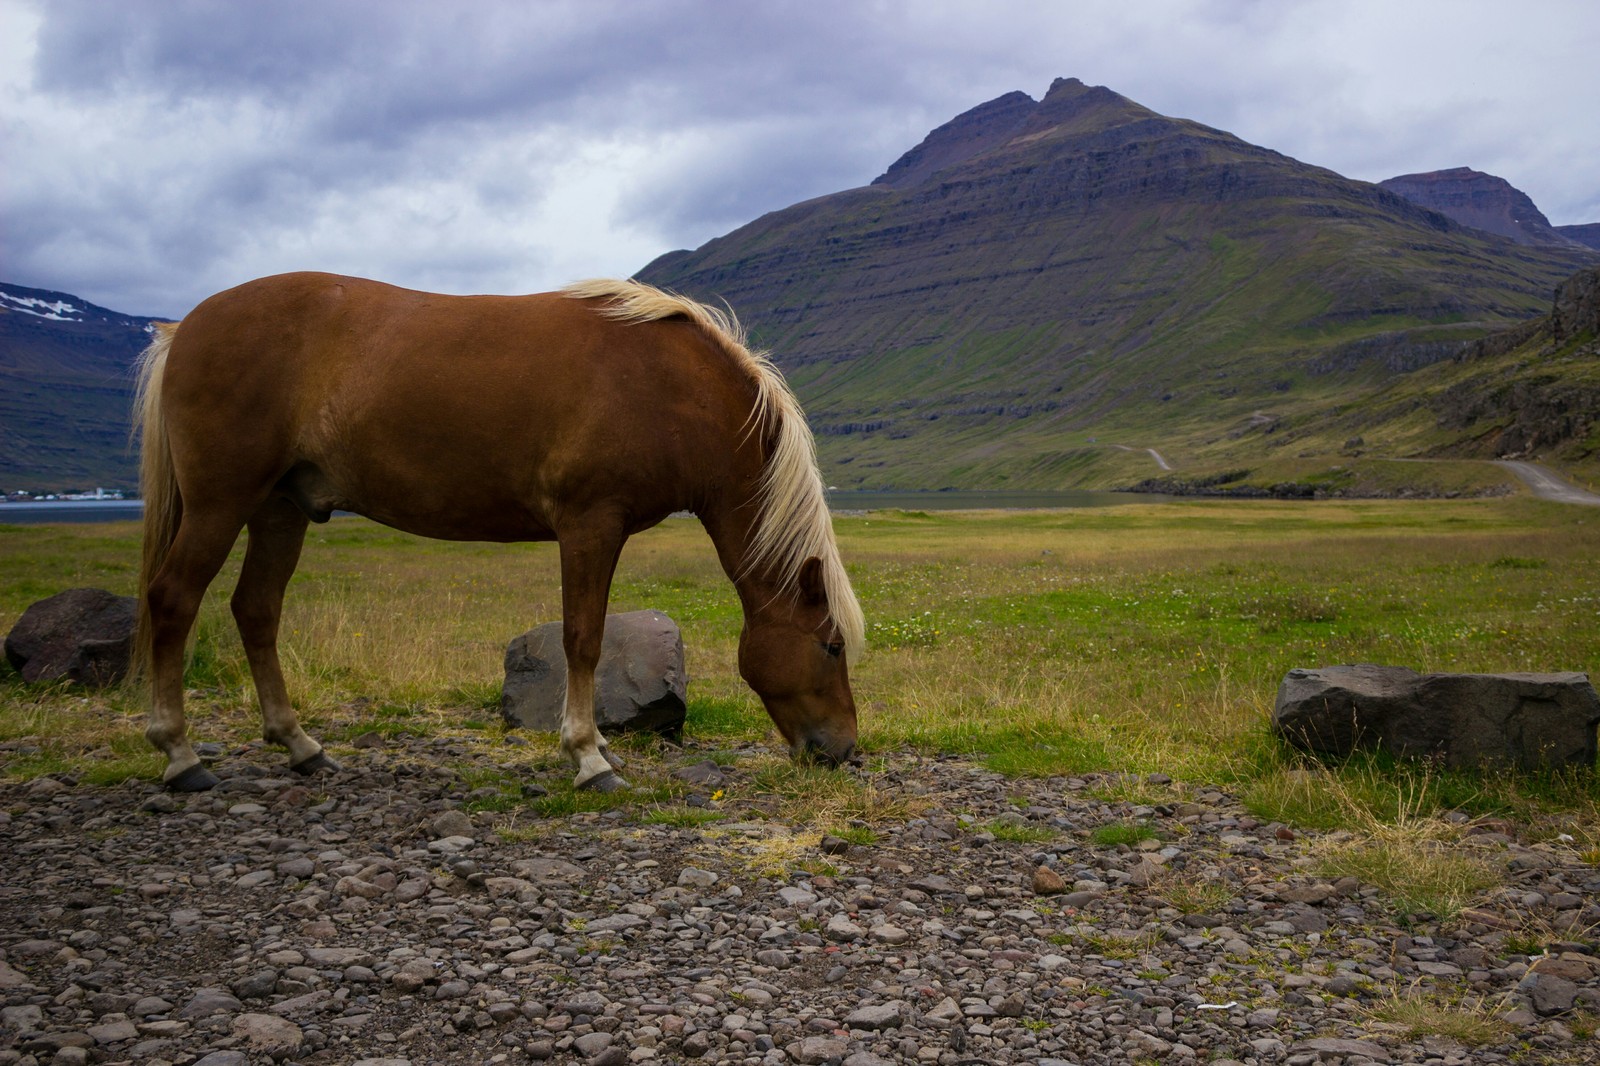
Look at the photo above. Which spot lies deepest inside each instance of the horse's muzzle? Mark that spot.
(824, 750)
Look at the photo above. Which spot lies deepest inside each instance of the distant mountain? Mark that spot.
(1042, 289)
(1481, 201)
(66, 381)
(1587, 234)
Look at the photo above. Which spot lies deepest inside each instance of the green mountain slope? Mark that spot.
(1040, 286)
(1532, 391)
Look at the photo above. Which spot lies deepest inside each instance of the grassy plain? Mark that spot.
(1147, 639)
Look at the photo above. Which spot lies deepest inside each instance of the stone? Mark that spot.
(83, 635)
(816, 1050)
(584, 1002)
(705, 772)
(224, 1058)
(591, 1044)
(694, 877)
(615, 923)
(944, 1014)
(889, 934)
(542, 869)
(842, 930)
(1509, 721)
(1333, 1045)
(1550, 994)
(453, 823)
(269, 1034)
(640, 681)
(258, 985)
(12, 978)
(867, 1058)
(114, 1031)
(208, 1001)
(876, 1016)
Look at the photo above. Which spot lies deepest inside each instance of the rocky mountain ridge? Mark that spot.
(1482, 201)
(1510, 404)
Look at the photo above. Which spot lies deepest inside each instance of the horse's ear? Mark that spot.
(813, 590)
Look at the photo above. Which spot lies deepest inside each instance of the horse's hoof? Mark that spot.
(616, 761)
(604, 781)
(315, 764)
(195, 779)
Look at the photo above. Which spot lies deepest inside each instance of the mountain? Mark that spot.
(1586, 234)
(66, 382)
(1481, 201)
(1040, 290)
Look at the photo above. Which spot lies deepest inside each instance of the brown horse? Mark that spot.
(582, 416)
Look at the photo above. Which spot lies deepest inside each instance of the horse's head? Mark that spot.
(793, 655)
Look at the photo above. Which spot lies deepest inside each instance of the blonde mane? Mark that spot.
(794, 524)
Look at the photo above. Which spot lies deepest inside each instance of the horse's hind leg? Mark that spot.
(588, 559)
(277, 531)
(174, 596)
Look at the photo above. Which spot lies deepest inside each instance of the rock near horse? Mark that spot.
(81, 635)
(640, 682)
(1513, 721)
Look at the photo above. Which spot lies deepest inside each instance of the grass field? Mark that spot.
(1145, 638)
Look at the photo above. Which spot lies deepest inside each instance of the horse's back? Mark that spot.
(409, 405)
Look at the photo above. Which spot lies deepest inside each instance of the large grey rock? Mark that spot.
(82, 635)
(640, 683)
(1523, 721)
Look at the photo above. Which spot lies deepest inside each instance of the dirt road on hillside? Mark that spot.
(1547, 485)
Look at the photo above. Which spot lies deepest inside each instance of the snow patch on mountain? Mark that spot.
(55, 310)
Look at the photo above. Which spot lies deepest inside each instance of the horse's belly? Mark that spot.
(426, 511)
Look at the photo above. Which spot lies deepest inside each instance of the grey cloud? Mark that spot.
(174, 146)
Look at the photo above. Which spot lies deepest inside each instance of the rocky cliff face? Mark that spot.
(1577, 307)
(1481, 201)
(1526, 401)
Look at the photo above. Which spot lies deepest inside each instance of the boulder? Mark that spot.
(81, 635)
(1507, 721)
(640, 683)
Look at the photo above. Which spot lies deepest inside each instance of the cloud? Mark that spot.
(169, 148)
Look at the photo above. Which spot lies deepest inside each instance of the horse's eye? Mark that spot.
(835, 649)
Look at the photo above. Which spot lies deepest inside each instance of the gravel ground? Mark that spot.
(364, 916)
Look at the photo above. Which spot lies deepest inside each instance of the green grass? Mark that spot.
(1469, 1020)
(1020, 834)
(1127, 640)
(1119, 833)
(681, 817)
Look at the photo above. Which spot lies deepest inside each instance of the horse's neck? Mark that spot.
(732, 531)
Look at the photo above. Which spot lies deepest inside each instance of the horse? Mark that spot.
(582, 416)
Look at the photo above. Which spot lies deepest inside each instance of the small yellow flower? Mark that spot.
(718, 794)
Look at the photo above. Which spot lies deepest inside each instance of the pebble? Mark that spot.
(374, 915)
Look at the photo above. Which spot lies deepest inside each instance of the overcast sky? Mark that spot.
(155, 151)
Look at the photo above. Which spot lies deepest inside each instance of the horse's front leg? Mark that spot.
(588, 559)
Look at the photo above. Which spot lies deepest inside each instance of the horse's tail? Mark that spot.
(158, 483)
